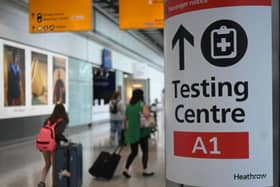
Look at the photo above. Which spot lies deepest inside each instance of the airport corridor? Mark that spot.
(20, 164)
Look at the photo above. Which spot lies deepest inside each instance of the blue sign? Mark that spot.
(106, 59)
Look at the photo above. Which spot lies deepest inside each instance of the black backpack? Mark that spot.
(114, 107)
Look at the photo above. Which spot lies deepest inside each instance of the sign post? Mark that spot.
(218, 82)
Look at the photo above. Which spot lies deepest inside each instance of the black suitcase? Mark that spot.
(68, 158)
(106, 164)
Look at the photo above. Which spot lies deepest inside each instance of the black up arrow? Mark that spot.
(180, 35)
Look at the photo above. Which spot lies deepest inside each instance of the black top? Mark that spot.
(59, 129)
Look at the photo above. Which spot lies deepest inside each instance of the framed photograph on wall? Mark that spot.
(39, 78)
(14, 76)
(59, 80)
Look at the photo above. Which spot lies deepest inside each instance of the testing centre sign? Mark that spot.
(218, 81)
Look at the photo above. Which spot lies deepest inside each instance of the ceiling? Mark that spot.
(154, 37)
(151, 37)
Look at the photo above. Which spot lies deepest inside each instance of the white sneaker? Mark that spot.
(147, 173)
(126, 174)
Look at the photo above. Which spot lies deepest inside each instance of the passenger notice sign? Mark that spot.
(218, 81)
(141, 14)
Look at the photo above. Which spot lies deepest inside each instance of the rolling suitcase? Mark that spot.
(106, 164)
(68, 158)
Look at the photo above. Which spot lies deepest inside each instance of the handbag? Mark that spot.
(147, 122)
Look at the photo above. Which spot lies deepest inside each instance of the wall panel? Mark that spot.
(80, 92)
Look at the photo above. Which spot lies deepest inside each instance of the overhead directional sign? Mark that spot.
(141, 14)
(60, 15)
(218, 90)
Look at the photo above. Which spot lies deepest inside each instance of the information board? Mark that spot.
(60, 16)
(141, 14)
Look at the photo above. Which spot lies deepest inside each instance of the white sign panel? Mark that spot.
(139, 70)
(218, 82)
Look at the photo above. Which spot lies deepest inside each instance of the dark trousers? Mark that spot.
(144, 144)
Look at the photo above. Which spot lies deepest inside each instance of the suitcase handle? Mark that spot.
(118, 150)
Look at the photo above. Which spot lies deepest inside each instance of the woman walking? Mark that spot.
(60, 118)
(135, 135)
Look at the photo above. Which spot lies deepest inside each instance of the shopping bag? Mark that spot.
(147, 122)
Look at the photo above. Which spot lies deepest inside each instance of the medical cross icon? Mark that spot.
(223, 44)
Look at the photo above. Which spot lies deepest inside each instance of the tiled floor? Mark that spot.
(20, 165)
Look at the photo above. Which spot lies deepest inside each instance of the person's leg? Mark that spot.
(113, 131)
(131, 157)
(145, 148)
(52, 165)
(119, 131)
(45, 170)
(144, 143)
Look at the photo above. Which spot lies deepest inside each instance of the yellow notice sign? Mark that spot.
(60, 15)
(141, 14)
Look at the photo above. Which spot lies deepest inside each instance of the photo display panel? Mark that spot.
(14, 76)
(32, 80)
(39, 78)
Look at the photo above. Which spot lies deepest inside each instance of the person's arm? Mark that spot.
(60, 127)
(125, 120)
(54, 92)
(124, 126)
(19, 82)
(19, 72)
(122, 107)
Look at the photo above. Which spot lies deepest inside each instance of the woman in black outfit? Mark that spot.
(60, 117)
